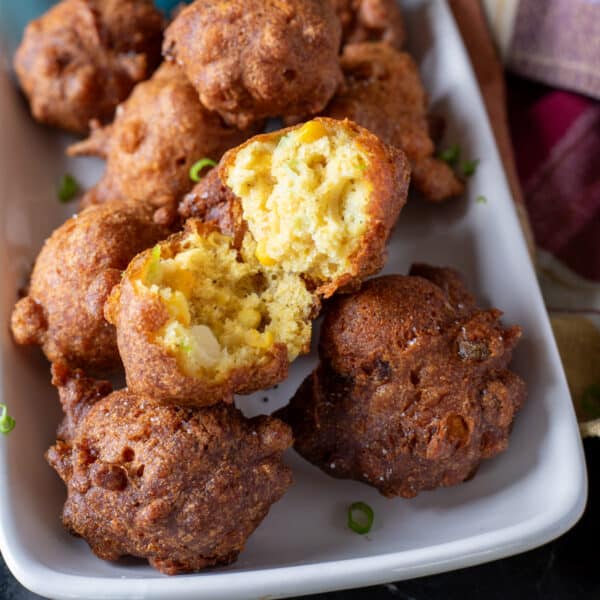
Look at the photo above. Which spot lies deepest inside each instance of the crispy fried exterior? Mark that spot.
(83, 57)
(180, 487)
(150, 369)
(210, 201)
(383, 92)
(389, 174)
(251, 59)
(72, 277)
(158, 134)
(371, 21)
(412, 390)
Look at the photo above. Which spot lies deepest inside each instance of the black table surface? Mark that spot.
(567, 568)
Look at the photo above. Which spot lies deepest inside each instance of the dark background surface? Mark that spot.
(566, 569)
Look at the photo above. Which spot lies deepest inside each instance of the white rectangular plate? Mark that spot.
(530, 494)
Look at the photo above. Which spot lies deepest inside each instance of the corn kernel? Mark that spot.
(262, 256)
(311, 131)
(179, 309)
(249, 318)
(184, 282)
(259, 340)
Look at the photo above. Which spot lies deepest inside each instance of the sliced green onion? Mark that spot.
(450, 155)
(469, 167)
(198, 166)
(590, 400)
(185, 347)
(152, 268)
(360, 517)
(481, 199)
(7, 423)
(68, 188)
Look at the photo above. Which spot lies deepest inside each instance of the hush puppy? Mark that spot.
(81, 58)
(412, 390)
(72, 277)
(370, 21)
(200, 317)
(158, 134)
(383, 92)
(183, 488)
(251, 59)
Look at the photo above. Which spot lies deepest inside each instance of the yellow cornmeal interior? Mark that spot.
(304, 197)
(225, 314)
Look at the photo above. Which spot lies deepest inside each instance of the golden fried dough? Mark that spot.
(83, 57)
(412, 390)
(383, 92)
(158, 134)
(204, 315)
(251, 59)
(72, 277)
(180, 487)
(370, 21)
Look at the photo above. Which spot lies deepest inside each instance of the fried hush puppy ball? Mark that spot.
(371, 21)
(81, 58)
(199, 317)
(72, 277)
(158, 134)
(412, 390)
(183, 488)
(383, 92)
(251, 59)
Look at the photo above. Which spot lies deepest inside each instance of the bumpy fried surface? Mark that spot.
(305, 211)
(72, 277)
(181, 487)
(83, 57)
(211, 201)
(251, 59)
(158, 134)
(383, 92)
(412, 390)
(370, 21)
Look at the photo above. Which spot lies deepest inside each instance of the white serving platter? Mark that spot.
(525, 497)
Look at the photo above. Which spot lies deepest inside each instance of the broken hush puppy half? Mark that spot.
(200, 316)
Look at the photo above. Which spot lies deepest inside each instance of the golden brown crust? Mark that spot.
(157, 136)
(180, 487)
(151, 370)
(382, 91)
(371, 21)
(73, 274)
(210, 201)
(412, 390)
(389, 173)
(81, 58)
(251, 59)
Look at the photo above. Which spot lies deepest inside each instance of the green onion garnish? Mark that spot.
(590, 400)
(360, 517)
(450, 155)
(68, 188)
(152, 268)
(185, 347)
(469, 167)
(481, 199)
(7, 423)
(198, 166)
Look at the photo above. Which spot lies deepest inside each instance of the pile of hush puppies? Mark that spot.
(205, 290)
